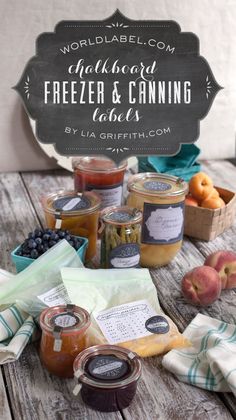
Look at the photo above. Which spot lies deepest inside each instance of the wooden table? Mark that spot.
(28, 392)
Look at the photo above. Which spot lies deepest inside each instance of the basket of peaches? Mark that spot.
(209, 210)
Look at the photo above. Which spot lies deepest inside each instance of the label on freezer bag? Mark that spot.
(56, 296)
(125, 322)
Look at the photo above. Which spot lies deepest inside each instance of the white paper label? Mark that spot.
(56, 296)
(110, 196)
(107, 368)
(71, 204)
(65, 320)
(125, 262)
(125, 322)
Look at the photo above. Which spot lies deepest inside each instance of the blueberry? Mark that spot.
(38, 241)
(38, 233)
(45, 248)
(49, 231)
(68, 237)
(71, 243)
(32, 244)
(34, 254)
(54, 236)
(51, 243)
(19, 252)
(31, 235)
(46, 237)
(61, 234)
(40, 248)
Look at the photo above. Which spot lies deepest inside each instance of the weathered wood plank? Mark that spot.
(5, 413)
(148, 396)
(161, 396)
(34, 394)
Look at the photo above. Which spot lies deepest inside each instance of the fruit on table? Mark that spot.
(40, 240)
(200, 186)
(214, 193)
(224, 262)
(191, 201)
(201, 286)
(213, 203)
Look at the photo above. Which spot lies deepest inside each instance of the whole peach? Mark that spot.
(224, 262)
(201, 286)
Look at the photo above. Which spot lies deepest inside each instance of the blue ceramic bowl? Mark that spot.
(23, 262)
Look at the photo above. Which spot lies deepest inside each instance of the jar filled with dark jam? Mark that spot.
(107, 377)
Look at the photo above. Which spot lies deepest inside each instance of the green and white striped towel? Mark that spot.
(211, 362)
(17, 328)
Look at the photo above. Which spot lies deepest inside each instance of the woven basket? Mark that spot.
(207, 224)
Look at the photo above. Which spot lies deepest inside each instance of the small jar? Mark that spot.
(161, 198)
(63, 337)
(120, 247)
(76, 212)
(107, 377)
(101, 175)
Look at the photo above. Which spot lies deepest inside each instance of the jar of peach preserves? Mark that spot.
(161, 199)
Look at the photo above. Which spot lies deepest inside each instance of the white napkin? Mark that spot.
(211, 362)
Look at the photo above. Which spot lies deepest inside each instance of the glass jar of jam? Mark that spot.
(101, 175)
(76, 212)
(161, 198)
(107, 377)
(120, 247)
(63, 337)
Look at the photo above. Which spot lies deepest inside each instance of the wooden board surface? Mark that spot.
(5, 413)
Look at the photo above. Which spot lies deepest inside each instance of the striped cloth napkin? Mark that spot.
(211, 362)
(17, 328)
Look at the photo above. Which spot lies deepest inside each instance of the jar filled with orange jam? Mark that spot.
(76, 212)
(102, 175)
(161, 198)
(63, 337)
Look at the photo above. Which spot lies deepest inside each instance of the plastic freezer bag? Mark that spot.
(124, 309)
(40, 284)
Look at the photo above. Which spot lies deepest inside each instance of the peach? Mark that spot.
(224, 262)
(213, 203)
(200, 186)
(190, 201)
(214, 193)
(201, 286)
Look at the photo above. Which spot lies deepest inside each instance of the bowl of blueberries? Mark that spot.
(40, 240)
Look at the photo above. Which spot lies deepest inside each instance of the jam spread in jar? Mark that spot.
(63, 337)
(101, 175)
(76, 212)
(120, 247)
(107, 377)
(161, 198)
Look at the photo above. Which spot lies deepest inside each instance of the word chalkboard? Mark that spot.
(117, 87)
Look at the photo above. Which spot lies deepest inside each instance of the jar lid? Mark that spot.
(107, 366)
(121, 215)
(71, 202)
(69, 318)
(154, 184)
(97, 164)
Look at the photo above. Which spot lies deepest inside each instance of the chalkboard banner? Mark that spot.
(117, 87)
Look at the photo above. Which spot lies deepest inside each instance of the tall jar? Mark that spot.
(120, 247)
(63, 337)
(101, 175)
(161, 198)
(76, 212)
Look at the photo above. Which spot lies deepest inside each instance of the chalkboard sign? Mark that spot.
(117, 87)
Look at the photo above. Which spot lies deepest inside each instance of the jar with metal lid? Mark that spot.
(63, 337)
(161, 198)
(76, 212)
(107, 377)
(102, 175)
(120, 247)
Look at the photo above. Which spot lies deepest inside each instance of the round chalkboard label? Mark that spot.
(65, 320)
(107, 367)
(157, 186)
(121, 216)
(157, 325)
(71, 203)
